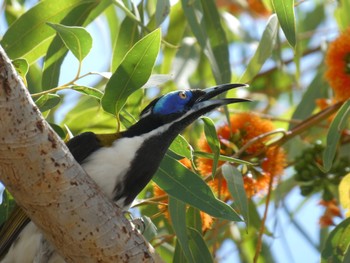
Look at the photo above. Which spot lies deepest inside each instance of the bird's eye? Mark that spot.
(182, 95)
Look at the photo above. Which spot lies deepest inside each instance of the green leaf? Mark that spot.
(342, 14)
(47, 102)
(177, 211)
(285, 13)
(177, 26)
(181, 147)
(76, 39)
(179, 256)
(218, 42)
(6, 206)
(58, 130)
(235, 185)
(205, 24)
(57, 50)
(188, 187)
(91, 118)
(21, 65)
(100, 7)
(221, 158)
(337, 244)
(132, 73)
(263, 51)
(113, 21)
(334, 133)
(90, 91)
(128, 35)
(317, 89)
(162, 11)
(213, 141)
(29, 36)
(34, 78)
(193, 219)
(198, 247)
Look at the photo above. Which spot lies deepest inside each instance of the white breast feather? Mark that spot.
(108, 165)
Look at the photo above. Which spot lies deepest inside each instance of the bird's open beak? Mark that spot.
(205, 101)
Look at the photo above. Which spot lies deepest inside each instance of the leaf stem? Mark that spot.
(64, 86)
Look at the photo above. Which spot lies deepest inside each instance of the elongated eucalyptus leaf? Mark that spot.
(58, 130)
(317, 89)
(176, 29)
(333, 135)
(132, 73)
(162, 11)
(188, 187)
(218, 42)
(337, 246)
(213, 141)
(21, 66)
(199, 248)
(205, 24)
(179, 256)
(90, 91)
(128, 35)
(342, 14)
(29, 34)
(221, 158)
(7, 203)
(177, 211)
(57, 50)
(100, 8)
(263, 51)
(193, 219)
(181, 147)
(285, 13)
(235, 185)
(76, 39)
(47, 102)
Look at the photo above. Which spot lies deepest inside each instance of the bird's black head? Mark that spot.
(160, 122)
(178, 109)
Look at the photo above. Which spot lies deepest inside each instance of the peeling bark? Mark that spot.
(41, 174)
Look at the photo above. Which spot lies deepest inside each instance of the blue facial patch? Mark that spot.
(172, 102)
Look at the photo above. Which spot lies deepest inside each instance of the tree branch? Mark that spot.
(46, 181)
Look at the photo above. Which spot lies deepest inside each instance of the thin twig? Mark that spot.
(263, 221)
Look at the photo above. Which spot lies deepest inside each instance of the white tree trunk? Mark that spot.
(41, 174)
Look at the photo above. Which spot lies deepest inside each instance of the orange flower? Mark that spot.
(323, 103)
(254, 7)
(258, 8)
(338, 66)
(207, 220)
(244, 128)
(186, 162)
(332, 210)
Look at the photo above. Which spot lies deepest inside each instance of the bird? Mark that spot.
(121, 164)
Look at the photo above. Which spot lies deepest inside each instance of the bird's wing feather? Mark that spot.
(82, 145)
(9, 231)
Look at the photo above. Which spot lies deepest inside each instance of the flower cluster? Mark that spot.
(245, 127)
(254, 7)
(338, 66)
(332, 210)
